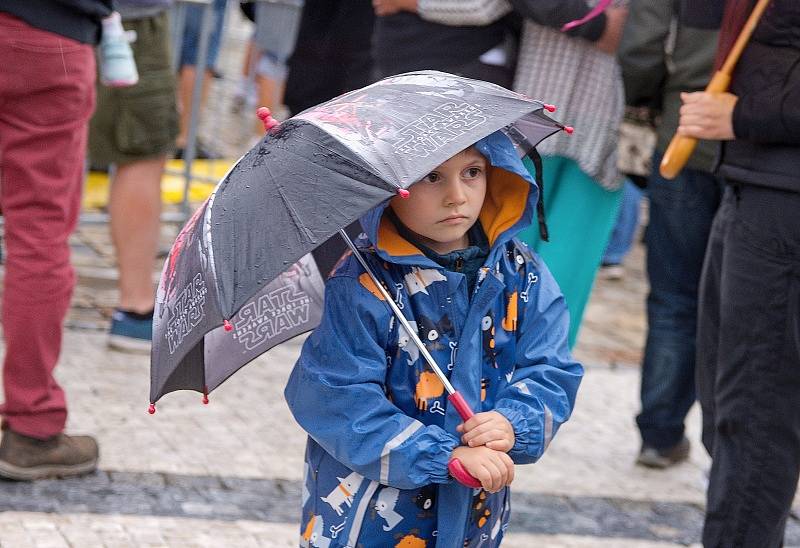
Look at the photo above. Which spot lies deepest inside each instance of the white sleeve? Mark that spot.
(463, 12)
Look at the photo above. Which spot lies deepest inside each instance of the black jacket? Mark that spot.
(766, 119)
(76, 19)
(405, 42)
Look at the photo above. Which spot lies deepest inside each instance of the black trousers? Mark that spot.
(748, 366)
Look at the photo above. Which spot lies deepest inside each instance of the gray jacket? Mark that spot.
(661, 58)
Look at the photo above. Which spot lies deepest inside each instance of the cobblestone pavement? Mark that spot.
(227, 474)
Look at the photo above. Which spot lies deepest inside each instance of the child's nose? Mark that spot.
(455, 193)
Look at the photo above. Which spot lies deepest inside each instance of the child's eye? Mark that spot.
(431, 177)
(472, 172)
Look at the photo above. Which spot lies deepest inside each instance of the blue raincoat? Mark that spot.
(380, 428)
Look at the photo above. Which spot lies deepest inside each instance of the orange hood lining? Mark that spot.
(505, 202)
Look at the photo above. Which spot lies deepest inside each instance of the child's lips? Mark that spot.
(454, 219)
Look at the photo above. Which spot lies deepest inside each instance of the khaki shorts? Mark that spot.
(141, 121)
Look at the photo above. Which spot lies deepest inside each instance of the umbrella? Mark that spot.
(240, 277)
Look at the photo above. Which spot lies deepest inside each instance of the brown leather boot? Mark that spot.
(24, 458)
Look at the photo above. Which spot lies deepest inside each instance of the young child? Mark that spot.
(381, 432)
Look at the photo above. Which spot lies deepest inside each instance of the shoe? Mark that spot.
(131, 332)
(664, 458)
(26, 459)
(200, 153)
(612, 272)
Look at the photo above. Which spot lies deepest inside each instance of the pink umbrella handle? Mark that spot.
(599, 8)
(455, 467)
(464, 410)
(461, 475)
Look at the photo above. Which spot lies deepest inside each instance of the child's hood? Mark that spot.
(508, 208)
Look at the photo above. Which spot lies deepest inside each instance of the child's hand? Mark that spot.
(490, 429)
(492, 468)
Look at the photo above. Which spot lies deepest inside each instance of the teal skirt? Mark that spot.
(580, 217)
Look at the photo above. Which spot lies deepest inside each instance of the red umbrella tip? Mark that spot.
(403, 193)
(205, 399)
(263, 112)
(549, 108)
(152, 409)
(227, 325)
(569, 129)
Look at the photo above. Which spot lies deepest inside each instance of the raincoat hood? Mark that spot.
(508, 208)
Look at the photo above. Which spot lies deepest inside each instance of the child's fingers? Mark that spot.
(500, 463)
(483, 475)
(486, 424)
(509, 464)
(497, 475)
(483, 437)
(503, 445)
(477, 420)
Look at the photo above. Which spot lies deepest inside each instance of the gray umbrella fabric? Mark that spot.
(240, 278)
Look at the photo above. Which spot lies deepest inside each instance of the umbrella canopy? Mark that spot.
(239, 278)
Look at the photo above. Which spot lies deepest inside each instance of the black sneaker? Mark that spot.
(201, 152)
(23, 458)
(664, 458)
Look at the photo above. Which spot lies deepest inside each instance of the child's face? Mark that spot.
(444, 205)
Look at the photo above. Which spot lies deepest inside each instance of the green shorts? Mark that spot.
(141, 121)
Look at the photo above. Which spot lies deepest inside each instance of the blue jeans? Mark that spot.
(191, 34)
(625, 229)
(681, 213)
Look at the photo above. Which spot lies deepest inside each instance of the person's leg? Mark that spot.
(134, 128)
(756, 441)
(708, 317)
(188, 70)
(135, 210)
(47, 96)
(625, 227)
(186, 78)
(681, 213)
(277, 27)
(580, 216)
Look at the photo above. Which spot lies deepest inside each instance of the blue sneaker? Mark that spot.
(131, 332)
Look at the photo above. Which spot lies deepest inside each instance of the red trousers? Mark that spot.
(46, 99)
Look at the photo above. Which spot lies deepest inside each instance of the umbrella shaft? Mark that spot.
(412, 333)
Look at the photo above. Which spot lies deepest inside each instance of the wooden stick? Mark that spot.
(681, 147)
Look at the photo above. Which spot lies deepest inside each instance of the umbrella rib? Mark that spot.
(290, 208)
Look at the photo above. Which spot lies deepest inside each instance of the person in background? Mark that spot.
(134, 129)
(46, 98)
(748, 336)
(333, 52)
(661, 58)
(611, 268)
(405, 41)
(274, 39)
(187, 71)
